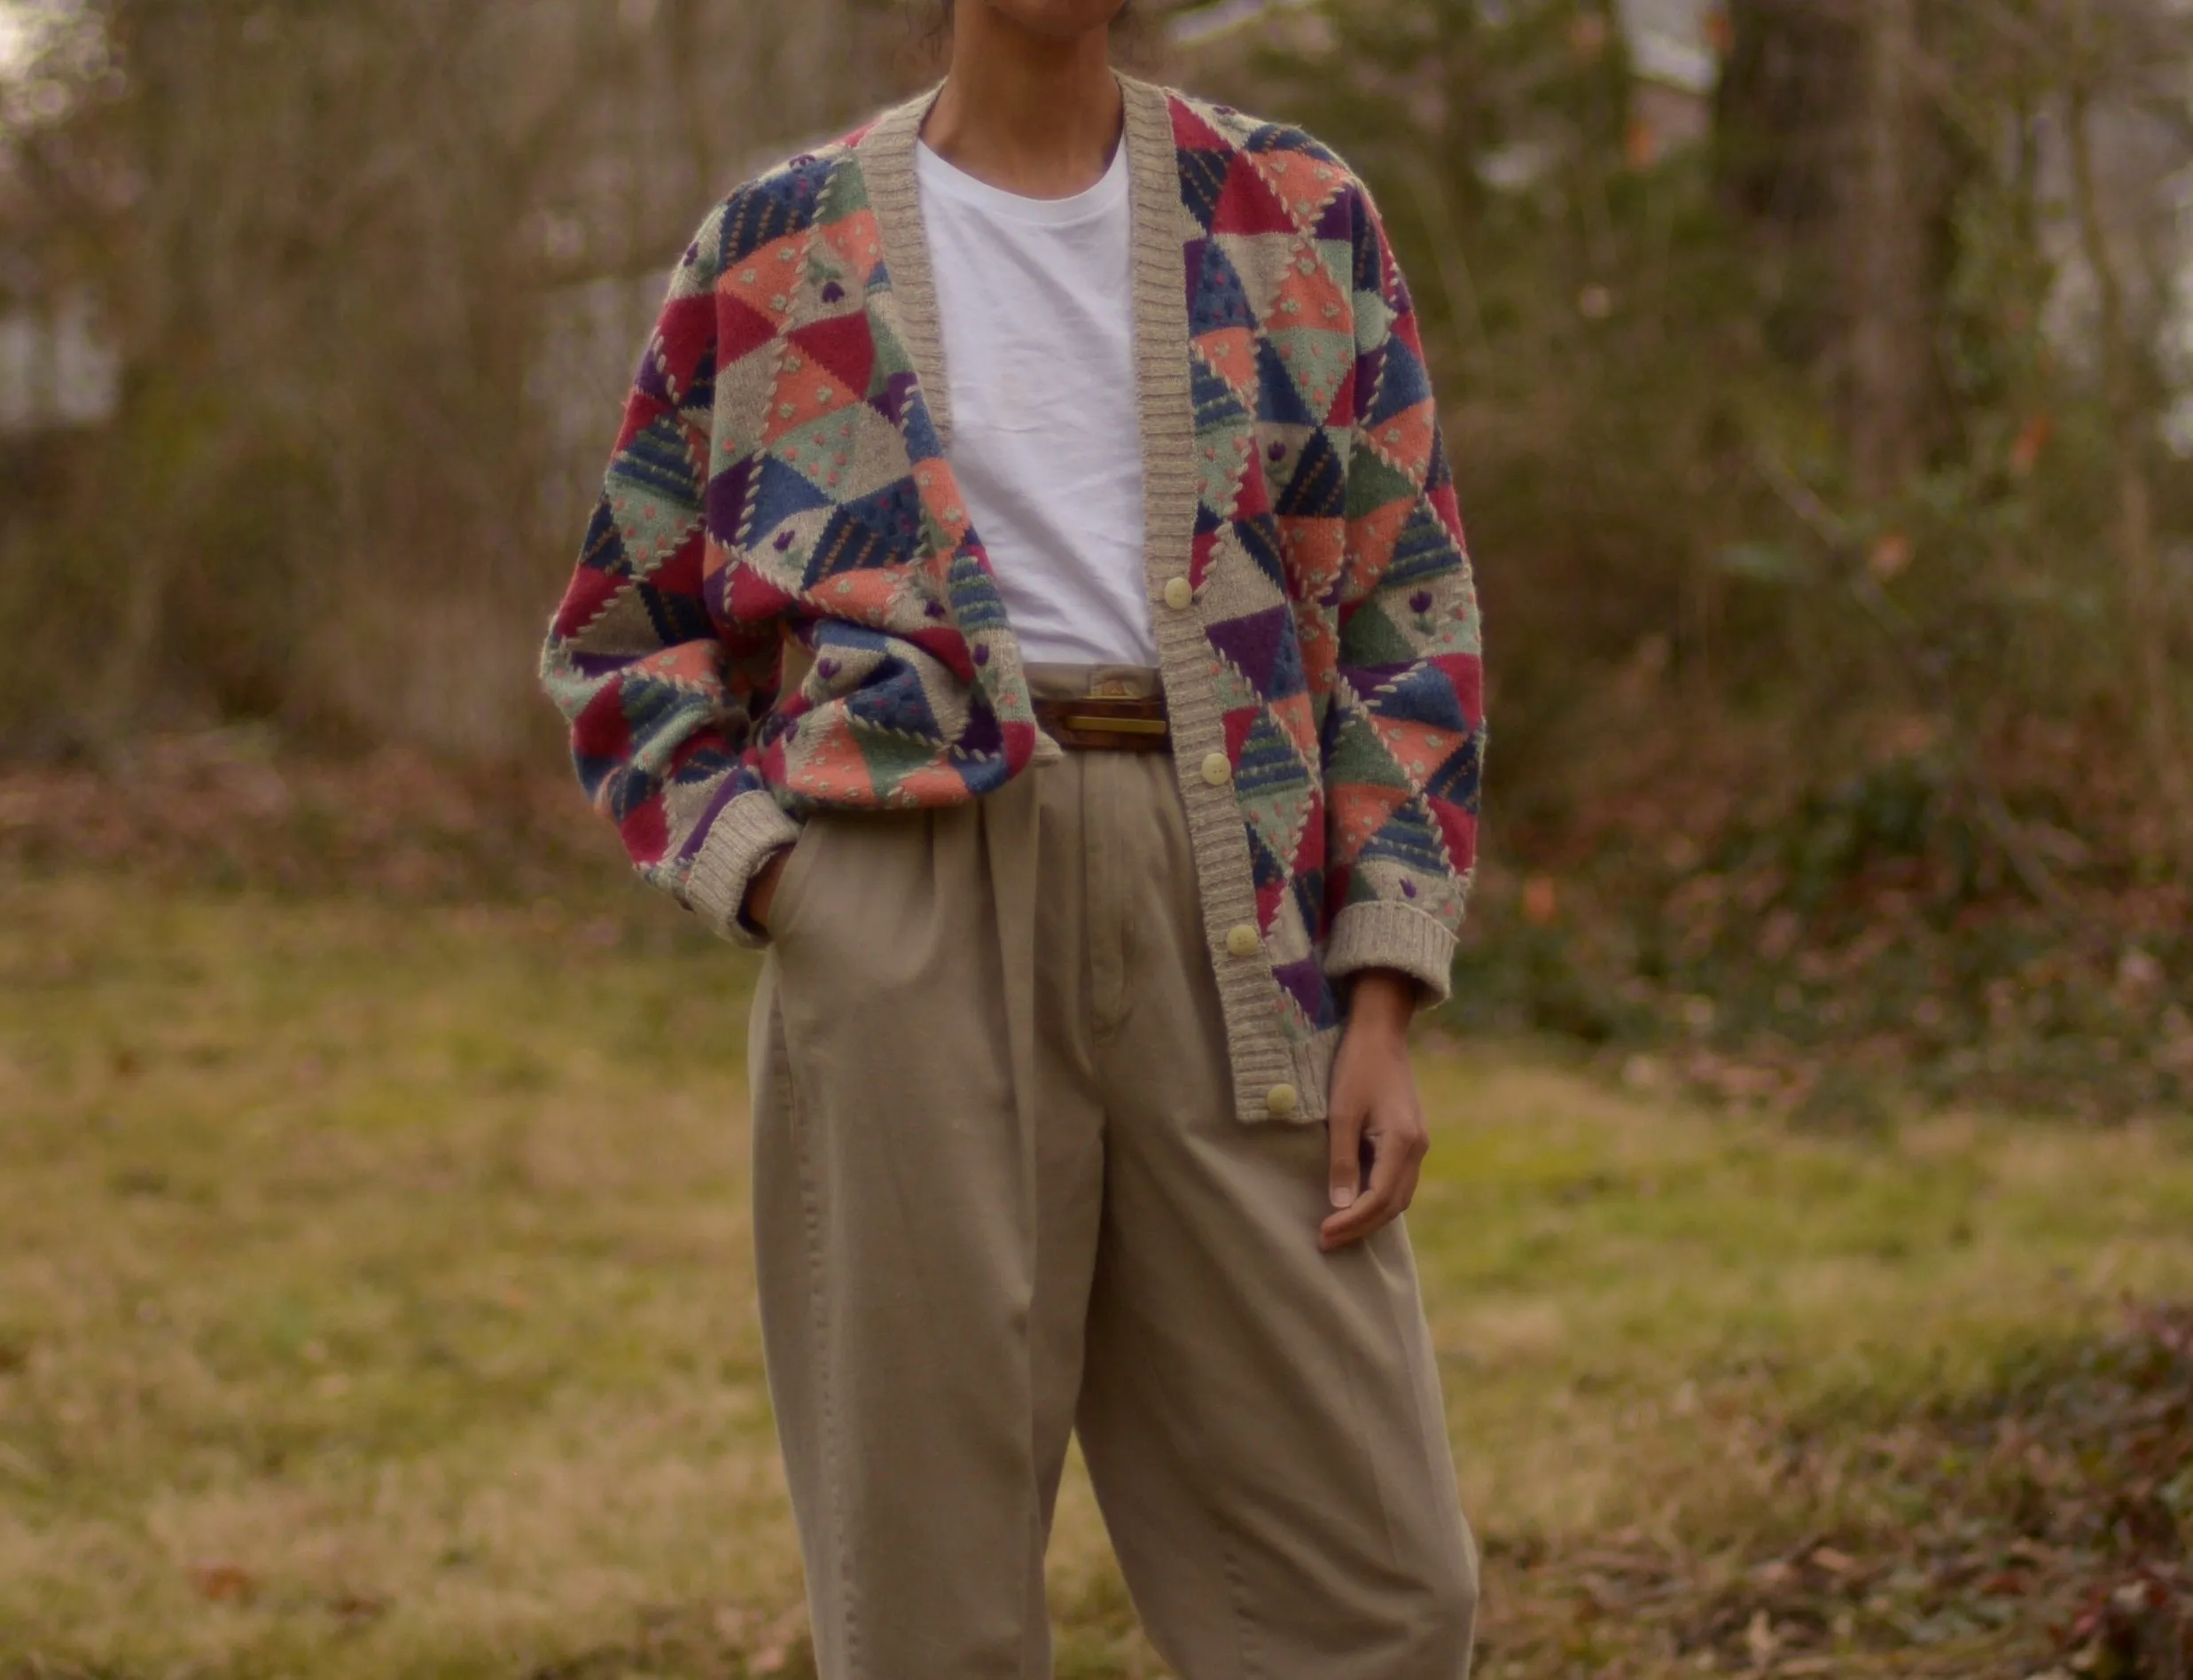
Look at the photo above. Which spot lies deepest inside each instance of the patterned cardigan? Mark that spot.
(784, 474)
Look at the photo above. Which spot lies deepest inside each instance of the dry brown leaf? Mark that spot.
(223, 1582)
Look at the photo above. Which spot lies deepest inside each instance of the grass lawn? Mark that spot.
(375, 1301)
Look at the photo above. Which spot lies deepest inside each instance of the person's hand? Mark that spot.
(1374, 1111)
(762, 888)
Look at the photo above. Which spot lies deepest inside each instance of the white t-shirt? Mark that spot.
(1039, 349)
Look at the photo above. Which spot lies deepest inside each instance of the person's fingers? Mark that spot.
(1392, 1179)
(1344, 1168)
(1405, 1197)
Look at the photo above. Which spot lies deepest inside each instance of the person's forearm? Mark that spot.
(1383, 1000)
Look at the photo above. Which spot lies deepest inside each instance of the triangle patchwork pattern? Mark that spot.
(1203, 183)
(1456, 782)
(1308, 296)
(1304, 184)
(1317, 487)
(767, 279)
(1424, 551)
(1246, 203)
(1403, 384)
(841, 345)
(1257, 644)
(1229, 356)
(775, 494)
(1279, 400)
(870, 533)
(781, 461)
(1406, 440)
(1409, 838)
(1274, 786)
(894, 725)
(1420, 749)
(1356, 756)
(804, 392)
(1318, 361)
(1217, 299)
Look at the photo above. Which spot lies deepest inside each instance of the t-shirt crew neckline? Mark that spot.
(937, 171)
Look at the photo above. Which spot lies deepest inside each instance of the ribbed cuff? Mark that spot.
(1386, 934)
(739, 841)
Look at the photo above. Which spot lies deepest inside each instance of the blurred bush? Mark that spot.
(1816, 444)
(375, 276)
(1821, 410)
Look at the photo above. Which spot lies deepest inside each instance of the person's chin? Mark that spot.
(1060, 19)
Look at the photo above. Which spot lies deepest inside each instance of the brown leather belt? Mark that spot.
(1118, 726)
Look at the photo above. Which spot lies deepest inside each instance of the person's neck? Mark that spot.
(1035, 116)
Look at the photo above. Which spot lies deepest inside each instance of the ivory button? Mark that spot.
(1180, 594)
(1282, 1101)
(1218, 770)
(1242, 941)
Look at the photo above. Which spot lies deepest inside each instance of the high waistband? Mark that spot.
(1051, 680)
(1102, 707)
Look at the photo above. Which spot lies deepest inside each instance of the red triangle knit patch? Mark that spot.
(843, 344)
(741, 330)
(1247, 204)
(1192, 133)
(1459, 829)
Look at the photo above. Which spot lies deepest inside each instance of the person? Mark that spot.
(1028, 598)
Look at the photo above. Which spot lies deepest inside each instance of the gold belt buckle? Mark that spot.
(1119, 725)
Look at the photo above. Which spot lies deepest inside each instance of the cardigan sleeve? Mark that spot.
(665, 698)
(1405, 737)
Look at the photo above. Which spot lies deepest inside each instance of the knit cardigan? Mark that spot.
(783, 475)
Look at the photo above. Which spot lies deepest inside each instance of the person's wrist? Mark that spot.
(1382, 1001)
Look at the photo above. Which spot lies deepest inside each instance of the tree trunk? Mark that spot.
(2146, 602)
(1780, 112)
(1886, 217)
(1828, 146)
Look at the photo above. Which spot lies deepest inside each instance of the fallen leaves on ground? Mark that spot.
(2040, 1530)
(229, 808)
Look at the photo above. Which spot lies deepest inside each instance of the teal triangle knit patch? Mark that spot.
(1373, 486)
(1370, 637)
(845, 194)
(1317, 361)
(1359, 758)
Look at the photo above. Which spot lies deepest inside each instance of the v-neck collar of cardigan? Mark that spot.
(886, 153)
(1163, 353)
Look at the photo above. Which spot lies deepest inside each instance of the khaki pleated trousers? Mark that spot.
(999, 1195)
